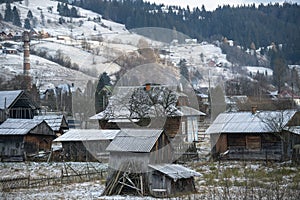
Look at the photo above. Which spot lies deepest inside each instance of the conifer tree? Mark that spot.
(8, 15)
(16, 17)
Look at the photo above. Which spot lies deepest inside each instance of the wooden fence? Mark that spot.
(36, 182)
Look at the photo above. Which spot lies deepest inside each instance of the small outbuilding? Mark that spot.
(167, 180)
(58, 123)
(21, 139)
(140, 163)
(86, 144)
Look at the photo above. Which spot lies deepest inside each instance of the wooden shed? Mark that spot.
(140, 163)
(16, 104)
(86, 144)
(264, 135)
(21, 139)
(143, 146)
(58, 123)
(167, 180)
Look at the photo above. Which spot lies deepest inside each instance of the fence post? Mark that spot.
(28, 181)
(61, 177)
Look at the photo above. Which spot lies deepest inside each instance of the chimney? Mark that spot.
(26, 63)
(253, 110)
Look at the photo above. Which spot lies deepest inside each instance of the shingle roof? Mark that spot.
(87, 135)
(18, 126)
(135, 140)
(54, 121)
(246, 122)
(9, 96)
(175, 171)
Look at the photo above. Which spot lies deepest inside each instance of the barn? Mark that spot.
(261, 135)
(16, 104)
(22, 139)
(86, 144)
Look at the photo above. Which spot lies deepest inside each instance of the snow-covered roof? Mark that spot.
(246, 122)
(135, 140)
(7, 98)
(87, 135)
(18, 126)
(119, 106)
(54, 121)
(175, 171)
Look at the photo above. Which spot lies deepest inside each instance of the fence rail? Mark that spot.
(36, 182)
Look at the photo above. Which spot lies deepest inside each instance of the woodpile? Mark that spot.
(127, 180)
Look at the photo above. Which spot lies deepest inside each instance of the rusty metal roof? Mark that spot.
(87, 135)
(8, 97)
(246, 122)
(18, 126)
(135, 140)
(54, 121)
(175, 171)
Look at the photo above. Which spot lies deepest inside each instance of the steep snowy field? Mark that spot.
(107, 41)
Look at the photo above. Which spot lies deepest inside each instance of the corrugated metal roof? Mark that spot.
(9, 96)
(134, 140)
(246, 122)
(54, 121)
(87, 135)
(18, 126)
(175, 171)
(189, 111)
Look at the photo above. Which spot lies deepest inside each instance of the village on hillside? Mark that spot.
(119, 115)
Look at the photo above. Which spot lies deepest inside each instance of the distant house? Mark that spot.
(86, 144)
(16, 104)
(148, 155)
(58, 123)
(264, 135)
(20, 139)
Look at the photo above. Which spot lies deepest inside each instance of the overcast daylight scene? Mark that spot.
(149, 99)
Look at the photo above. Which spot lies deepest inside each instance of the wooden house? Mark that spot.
(58, 123)
(142, 159)
(181, 122)
(16, 104)
(264, 135)
(21, 139)
(86, 144)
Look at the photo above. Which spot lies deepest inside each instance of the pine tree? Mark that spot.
(29, 14)
(16, 17)
(27, 24)
(104, 80)
(8, 15)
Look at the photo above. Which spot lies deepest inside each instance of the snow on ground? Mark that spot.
(44, 72)
(116, 41)
(262, 70)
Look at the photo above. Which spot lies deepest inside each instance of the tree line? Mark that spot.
(246, 24)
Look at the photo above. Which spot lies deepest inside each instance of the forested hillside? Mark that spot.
(245, 25)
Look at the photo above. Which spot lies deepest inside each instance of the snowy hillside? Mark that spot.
(93, 44)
